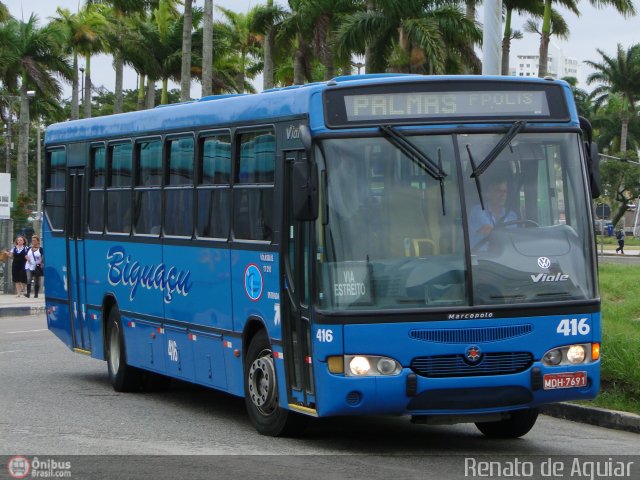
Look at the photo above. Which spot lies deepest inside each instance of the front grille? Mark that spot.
(471, 335)
(442, 366)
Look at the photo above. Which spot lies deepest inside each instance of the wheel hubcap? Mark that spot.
(262, 383)
(114, 348)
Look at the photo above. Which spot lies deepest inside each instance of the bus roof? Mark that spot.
(236, 109)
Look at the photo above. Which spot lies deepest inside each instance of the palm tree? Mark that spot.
(322, 17)
(267, 21)
(624, 7)
(558, 27)
(116, 13)
(81, 31)
(185, 75)
(31, 59)
(618, 75)
(245, 42)
(412, 36)
(522, 7)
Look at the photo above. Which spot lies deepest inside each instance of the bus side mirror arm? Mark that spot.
(593, 158)
(305, 191)
(305, 181)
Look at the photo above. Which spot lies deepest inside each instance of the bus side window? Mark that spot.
(178, 191)
(119, 188)
(253, 192)
(147, 201)
(214, 189)
(98, 174)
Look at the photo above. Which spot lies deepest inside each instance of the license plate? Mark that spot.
(565, 380)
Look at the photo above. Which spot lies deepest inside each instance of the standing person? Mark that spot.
(18, 273)
(34, 265)
(620, 237)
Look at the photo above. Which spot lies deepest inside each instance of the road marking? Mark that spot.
(10, 351)
(29, 331)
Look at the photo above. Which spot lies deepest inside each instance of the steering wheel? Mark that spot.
(525, 222)
(522, 221)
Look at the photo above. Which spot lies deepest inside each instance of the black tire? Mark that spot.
(123, 377)
(261, 393)
(519, 424)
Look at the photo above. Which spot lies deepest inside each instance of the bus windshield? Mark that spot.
(391, 235)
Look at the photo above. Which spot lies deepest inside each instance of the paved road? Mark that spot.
(55, 402)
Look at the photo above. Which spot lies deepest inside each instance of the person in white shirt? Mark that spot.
(34, 266)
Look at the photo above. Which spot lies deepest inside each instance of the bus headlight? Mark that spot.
(576, 354)
(552, 357)
(359, 366)
(570, 355)
(370, 365)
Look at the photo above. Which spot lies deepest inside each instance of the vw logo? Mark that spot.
(544, 262)
(473, 354)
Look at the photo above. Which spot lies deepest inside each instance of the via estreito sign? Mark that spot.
(5, 196)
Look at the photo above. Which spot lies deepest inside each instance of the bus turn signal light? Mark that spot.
(595, 351)
(336, 364)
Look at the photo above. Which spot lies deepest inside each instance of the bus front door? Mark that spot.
(296, 328)
(76, 273)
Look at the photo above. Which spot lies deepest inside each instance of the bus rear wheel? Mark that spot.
(518, 424)
(261, 393)
(123, 377)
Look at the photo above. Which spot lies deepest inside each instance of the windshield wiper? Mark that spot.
(500, 146)
(397, 138)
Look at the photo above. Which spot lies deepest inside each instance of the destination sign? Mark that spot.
(422, 104)
(445, 101)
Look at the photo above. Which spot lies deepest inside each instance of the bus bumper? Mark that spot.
(410, 394)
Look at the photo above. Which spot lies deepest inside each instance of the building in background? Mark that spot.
(526, 65)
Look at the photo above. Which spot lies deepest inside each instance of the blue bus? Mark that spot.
(376, 244)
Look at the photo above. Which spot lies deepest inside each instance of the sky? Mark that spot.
(595, 29)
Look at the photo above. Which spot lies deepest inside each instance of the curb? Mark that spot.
(21, 311)
(629, 422)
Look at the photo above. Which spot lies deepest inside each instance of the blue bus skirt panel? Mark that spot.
(436, 380)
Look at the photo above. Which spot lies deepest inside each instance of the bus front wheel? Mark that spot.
(123, 377)
(261, 393)
(517, 425)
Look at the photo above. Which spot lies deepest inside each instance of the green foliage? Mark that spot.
(620, 292)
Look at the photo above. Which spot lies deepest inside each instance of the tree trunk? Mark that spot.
(118, 66)
(164, 95)
(545, 37)
(327, 53)
(87, 86)
(75, 101)
(506, 43)
(7, 141)
(140, 105)
(151, 93)
(624, 132)
(267, 73)
(240, 76)
(23, 141)
(368, 50)
(405, 46)
(207, 48)
(185, 75)
(298, 63)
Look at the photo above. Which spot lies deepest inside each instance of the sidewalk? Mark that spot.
(10, 306)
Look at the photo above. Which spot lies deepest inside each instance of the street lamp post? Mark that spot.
(82, 87)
